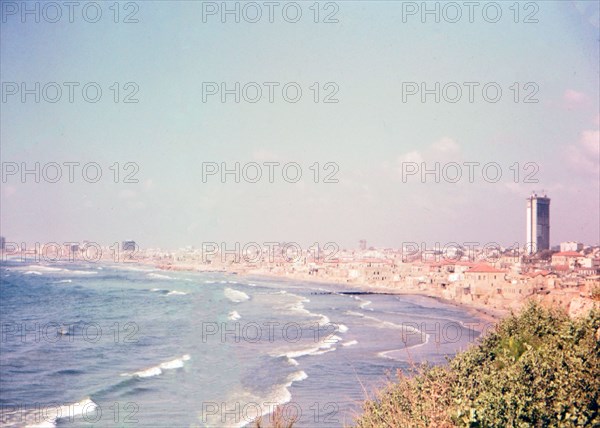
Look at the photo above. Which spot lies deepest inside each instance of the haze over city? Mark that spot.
(368, 133)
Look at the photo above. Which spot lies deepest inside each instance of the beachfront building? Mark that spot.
(484, 280)
(543, 280)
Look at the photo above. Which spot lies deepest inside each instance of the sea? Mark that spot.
(119, 345)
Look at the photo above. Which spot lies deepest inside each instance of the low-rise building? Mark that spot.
(565, 258)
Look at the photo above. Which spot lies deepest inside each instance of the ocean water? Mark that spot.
(127, 345)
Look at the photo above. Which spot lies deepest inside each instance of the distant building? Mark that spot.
(538, 224)
(2, 242)
(566, 259)
(571, 246)
(484, 279)
(128, 246)
(362, 245)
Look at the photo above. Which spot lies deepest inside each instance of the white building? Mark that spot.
(571, 246)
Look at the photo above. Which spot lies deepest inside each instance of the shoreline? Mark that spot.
(486, 314)
(492, 316)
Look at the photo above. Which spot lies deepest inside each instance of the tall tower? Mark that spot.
(538, 224)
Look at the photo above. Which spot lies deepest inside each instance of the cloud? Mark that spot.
(443, 150)
(412, 156)
(447, 146)
(584, 157)
(573, 99)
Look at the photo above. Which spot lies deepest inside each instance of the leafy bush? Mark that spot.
(537, 369)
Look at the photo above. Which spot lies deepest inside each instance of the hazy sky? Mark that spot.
(368, 56)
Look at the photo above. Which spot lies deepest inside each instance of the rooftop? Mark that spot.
(568, 254)
(484, 268)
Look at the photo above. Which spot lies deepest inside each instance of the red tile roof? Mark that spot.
(483, 268)
(568, 254)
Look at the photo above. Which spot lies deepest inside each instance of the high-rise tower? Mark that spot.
(538, 224)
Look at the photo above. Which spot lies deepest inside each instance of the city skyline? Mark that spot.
(378, 137)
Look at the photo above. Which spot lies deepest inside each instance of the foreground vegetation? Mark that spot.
(538, 369)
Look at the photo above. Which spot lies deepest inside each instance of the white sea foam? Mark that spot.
(356, 314)
(158, 370)
(79, 272)
(234, 316)
(32, 272)
(298, 376)
(158, 276)
(209, 282)
(332, 339)
(323, 351)
(176, 293)
(324, 320)
(65, 411)
(64, 281)
(236, 296)
(300, 352)
(390, 355)
(152, 371)
(350, 343)
(342, 328)
(44, 268)
(387, 324)
(402, 351)
(326, 345)
(175, 364)
(298, 306)
(259, 405)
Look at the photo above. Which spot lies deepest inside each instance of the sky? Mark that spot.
(374, 62)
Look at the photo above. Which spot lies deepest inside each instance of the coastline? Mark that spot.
(486, 313)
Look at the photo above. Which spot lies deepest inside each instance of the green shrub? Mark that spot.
(537, 369)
